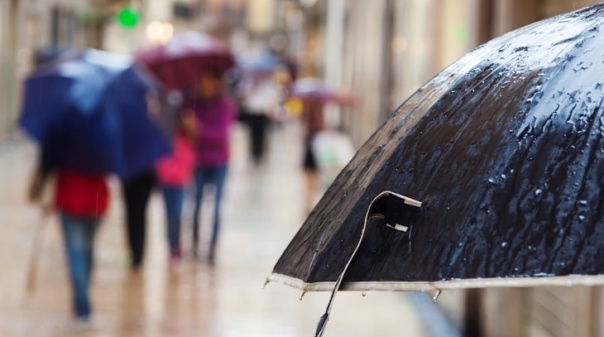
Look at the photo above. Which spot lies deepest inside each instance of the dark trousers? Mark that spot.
(258, 124)
(136, 193)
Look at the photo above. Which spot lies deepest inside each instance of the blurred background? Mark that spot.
(379, 52)
(383, 50)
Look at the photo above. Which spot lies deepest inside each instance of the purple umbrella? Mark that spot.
(178, 63)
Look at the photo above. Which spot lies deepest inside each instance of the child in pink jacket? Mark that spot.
(174, 173)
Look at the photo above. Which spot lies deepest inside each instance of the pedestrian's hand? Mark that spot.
(36, 187)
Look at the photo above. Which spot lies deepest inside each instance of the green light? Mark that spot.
(128, 17)
(461, 35)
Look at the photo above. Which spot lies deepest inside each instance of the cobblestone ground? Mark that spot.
(262, 211)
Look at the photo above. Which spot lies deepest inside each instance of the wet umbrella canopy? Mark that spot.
(505, 151)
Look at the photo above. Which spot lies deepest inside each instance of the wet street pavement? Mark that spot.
(262, 211)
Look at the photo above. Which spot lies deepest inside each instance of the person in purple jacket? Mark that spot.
(215, 114)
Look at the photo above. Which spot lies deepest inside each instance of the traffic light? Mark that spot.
(128, 17)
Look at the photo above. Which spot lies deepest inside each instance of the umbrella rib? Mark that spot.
(407, 201)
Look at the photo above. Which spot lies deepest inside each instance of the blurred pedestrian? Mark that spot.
(174, 173)
(262, 98)
(313, 120)
(215, 114)
(81, 199)
(136, 192)
(89, 114)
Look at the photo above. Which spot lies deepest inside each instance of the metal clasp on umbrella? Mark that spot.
(396, 212)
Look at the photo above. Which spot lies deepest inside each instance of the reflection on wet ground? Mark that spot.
(263, 209)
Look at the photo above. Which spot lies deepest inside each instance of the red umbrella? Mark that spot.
(178, 62)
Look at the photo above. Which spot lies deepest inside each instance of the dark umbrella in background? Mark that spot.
(178, 63)
(90, 114)
(505, 151)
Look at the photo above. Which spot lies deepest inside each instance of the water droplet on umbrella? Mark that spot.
(581, 217)
(503, 176)
(538, 192)
(583, 202)
(504, 244)
(491, 180)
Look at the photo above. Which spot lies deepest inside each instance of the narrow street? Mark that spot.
(262, 211)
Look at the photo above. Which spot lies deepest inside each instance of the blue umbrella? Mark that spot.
(89, 114)
(265, 62)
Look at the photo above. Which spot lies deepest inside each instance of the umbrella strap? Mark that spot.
(378, 207)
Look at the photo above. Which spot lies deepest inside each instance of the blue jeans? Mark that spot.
(215, 176)
(173, 198)
(78, 234)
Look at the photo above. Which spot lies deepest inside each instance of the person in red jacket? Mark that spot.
(81, 199)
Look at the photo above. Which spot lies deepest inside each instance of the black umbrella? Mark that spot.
(505, 151)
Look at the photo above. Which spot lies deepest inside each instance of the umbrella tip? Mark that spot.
(321, 325)
(436, 295)
(302, 295)
(266, 282)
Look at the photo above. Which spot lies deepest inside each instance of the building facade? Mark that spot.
(27, 25)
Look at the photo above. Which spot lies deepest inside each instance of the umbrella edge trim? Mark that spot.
(571, 280)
